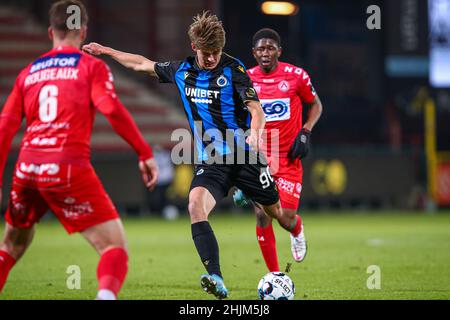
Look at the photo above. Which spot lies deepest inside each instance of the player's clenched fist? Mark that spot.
(149, 171)
(300, 147)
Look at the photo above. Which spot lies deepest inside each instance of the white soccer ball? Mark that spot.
(276, 286)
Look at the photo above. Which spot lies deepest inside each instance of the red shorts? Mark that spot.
(288, 175)
(74, 194)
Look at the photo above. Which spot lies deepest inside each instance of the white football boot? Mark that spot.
(298, 246)
(104, 294)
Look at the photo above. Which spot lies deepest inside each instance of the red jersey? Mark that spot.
(282, 93)
(58, 94)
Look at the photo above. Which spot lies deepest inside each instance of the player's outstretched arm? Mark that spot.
(129, 60)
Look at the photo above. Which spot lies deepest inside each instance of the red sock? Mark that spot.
(112, 269)
(298, 226)
(6, 263)
(267, 243)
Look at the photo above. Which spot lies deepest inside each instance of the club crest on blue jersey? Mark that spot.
(222, 81)
(62, 60)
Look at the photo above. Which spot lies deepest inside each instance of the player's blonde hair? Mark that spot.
(206, 32)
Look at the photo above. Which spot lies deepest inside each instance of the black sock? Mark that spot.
(207, 247)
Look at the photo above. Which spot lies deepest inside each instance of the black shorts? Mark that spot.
(253, 179)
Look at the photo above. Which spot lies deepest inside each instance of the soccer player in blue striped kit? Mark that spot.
(217, 96)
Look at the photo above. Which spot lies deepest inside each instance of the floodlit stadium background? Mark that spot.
(369, 145)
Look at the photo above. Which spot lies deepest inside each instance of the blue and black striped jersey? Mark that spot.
(214, 101)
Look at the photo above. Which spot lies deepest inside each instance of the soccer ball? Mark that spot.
(276, 286)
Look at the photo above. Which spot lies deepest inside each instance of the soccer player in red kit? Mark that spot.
(58, 94)
(283, 89)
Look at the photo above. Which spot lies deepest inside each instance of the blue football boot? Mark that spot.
(213, 284)
(240, 199)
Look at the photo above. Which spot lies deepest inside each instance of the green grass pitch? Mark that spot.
(411, 249)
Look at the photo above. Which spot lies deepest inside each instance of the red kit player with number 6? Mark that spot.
(58, 95)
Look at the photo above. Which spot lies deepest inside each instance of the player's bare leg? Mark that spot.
(287, 220)
(109, 241)
(298, 239)
(290, 221)
(262, 219)
(201, 203)
(14, 244)
(266, 239)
